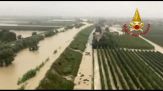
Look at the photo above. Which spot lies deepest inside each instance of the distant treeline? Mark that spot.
(10, 44)
(7, 36)
(37, 28)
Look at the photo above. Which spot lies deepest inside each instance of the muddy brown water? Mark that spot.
(26, 60)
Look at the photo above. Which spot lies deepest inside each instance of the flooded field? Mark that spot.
(26, 60)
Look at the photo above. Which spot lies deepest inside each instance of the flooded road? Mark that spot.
(86, 68)
(26, 60)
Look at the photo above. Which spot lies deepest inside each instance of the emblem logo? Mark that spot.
(135, 27)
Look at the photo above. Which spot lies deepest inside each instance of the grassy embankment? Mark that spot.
(67, 64)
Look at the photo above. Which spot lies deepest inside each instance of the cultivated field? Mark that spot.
(155, 34)
(120, 69)
(127, 63)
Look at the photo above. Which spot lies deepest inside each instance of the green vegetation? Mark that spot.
(155, 34)
(68, 62)
(31, 73)
(34, 33)
(7, 36)
(78, 25)
(130, 69)
(9, 49)
(61, 23)
(69, 27)
(113, 40)
(50, 33)
(6, 55)
(29, 42)
(29, 27)
(66, 65)
(127, 41)
(55, 51)
(19, 37)
(22, 87)
(81, 39)
(126, 69)
(53, 81)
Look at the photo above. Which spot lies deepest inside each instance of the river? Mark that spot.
(26, 60)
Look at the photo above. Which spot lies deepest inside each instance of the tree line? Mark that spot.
(11, 46)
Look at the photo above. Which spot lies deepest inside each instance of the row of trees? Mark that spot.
(103, 38)
(29, 42)
(78, 25)
(6, 55)
(7, 36)
(8, 50)
(113, 40)
(50, 33)
(69, 27)
(101, 43)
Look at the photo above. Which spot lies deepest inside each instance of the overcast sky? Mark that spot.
(82, 8)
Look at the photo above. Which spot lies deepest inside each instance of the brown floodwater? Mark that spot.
(26, 60)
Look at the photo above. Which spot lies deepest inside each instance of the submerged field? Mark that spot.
(19, 60)
(124, 62)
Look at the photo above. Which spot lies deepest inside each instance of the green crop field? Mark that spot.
(126, 69)
(156, 34)
(128, 41)
(123, 41)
